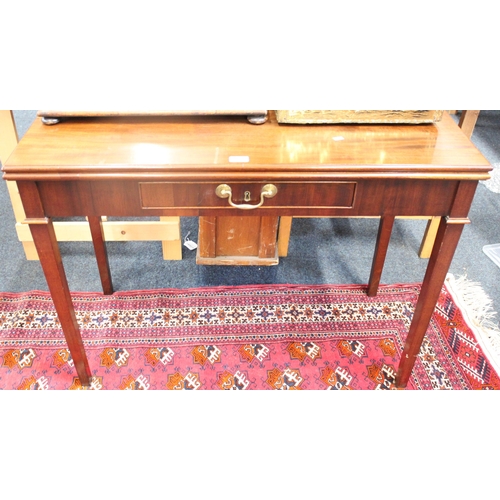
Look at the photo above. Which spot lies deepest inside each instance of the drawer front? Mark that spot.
(199, 195)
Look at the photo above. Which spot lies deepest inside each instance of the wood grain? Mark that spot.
(358, 116)
(182, 148)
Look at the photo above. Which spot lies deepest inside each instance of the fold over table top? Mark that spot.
(188, 147)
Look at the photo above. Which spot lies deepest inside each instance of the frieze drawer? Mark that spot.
(160, 195)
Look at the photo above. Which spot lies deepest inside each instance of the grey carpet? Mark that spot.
(331, 251)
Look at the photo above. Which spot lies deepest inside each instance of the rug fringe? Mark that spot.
(493, 183)
(478, 312)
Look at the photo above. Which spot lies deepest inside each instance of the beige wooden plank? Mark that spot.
(113, 231)
(16, 202)
(285, 228)
(8, 142)
(429, 237)
(8, 134)
(468, 121)
(30, 250)
(172, 248)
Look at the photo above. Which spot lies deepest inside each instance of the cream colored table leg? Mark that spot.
(8, 134)
(429, 237)
(284, 230)
(468, 121)
(172, 248)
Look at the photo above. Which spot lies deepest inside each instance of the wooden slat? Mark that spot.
(15, 200)
(284, 231)
(8, 134)
(429, 237)
(468, 121)
(113, 231)
(8, 142)
(171, 246)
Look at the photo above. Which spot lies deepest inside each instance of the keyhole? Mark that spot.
(246, 196)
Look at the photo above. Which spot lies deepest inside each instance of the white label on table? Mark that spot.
(239, 159)
(338, 138)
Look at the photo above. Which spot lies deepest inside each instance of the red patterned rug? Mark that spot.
(250, 337)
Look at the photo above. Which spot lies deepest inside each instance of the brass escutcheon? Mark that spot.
(225, 191)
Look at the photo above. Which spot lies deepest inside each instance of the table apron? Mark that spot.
(337, 197)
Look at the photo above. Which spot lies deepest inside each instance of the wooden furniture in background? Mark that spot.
(237, 241)
(8, 142)
(468, 121)
(358, 116)
(256, 117)
(87, 169)
(166, 230)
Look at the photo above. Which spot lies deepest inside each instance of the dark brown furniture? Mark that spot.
(179, 166)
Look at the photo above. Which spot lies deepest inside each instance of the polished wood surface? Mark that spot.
(173, 166)
(182, 148)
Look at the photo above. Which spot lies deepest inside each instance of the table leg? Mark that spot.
(429, 237)
(268, 237)
(101, 254)
(50, 260)
(444, 248)
(44, 237)
(383, 237)
(284, 230)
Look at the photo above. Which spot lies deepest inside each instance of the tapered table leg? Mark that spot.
(50, 260)
(42, 230)
(444, 248)
(383, 237)
(101, 254)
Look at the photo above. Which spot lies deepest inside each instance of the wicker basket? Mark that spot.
(357, 116)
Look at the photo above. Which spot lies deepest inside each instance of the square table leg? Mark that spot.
(96, 230)
(442, 254)
(383, 237)
(42, 229)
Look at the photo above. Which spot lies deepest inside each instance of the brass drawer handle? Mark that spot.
(224, 191)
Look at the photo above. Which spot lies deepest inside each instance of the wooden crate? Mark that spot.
(357, 116)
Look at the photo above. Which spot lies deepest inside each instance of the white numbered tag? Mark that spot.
(188, 243)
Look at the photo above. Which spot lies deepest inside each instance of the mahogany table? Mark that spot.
(223, 166)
